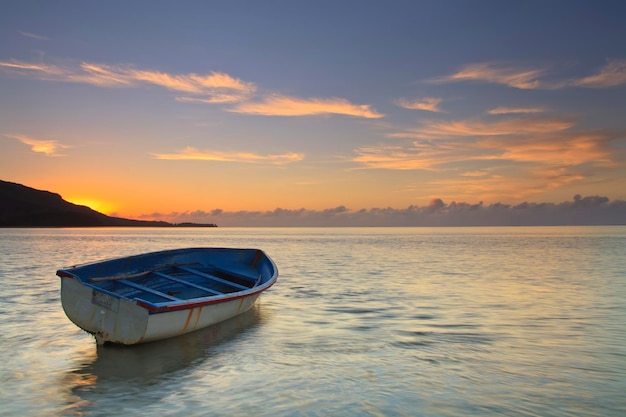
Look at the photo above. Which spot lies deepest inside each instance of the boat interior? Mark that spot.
(178, 283)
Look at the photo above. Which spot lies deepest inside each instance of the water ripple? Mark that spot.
(428, 322)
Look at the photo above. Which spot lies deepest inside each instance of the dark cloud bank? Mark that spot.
(595, 210)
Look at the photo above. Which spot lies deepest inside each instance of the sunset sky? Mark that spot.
(189, 110)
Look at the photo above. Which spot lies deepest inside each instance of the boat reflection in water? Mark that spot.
(118, 371)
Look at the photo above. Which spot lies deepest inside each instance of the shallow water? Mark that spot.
(363, 321)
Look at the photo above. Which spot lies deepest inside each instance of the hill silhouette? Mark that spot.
(23, 206)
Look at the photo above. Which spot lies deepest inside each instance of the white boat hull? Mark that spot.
(116, 319)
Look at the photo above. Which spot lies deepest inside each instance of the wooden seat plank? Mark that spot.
(236, 274)
(182, 281)
(213, 277)
(147, 289)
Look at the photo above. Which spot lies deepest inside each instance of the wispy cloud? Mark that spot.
(396, 157)
(44, 71)
(191, 153)
(212, 87)
(416, 155)
(475, 174)
(539, 142)
(426, 104)
(523, 78)
(564, 149)
(279, 105)
(214, 99)
(100, 75)
(432, 129)
(33, 36)
(494, 186)
(611, 75)
(519, 110)
(46, 146)
(490, 167)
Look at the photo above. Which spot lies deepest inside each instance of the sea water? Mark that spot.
(519, 321)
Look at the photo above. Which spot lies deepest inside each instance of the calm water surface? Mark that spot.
(362, 322)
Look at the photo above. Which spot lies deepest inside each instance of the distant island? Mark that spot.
(27, 207)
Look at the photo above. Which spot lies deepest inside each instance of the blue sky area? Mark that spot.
(318, 113)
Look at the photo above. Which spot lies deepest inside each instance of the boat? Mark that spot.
(158, 295)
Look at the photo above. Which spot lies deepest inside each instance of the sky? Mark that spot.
(318, 112)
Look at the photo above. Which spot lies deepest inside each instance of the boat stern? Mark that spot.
(108, 318)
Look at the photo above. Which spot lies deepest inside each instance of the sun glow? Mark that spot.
(104, 207)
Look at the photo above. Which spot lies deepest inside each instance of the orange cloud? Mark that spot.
(42, 69)
(442, 129)
(475, 174)
(568, 149)
(192, 83)
(417, 155)
(611, 75)
(519, 110)
(214, 99)
(207, 85)
(491, 187)
(191, 153)
(214, 84)
(99, 75)
(426, 103)
(278, 105)
(496, 73)
(555, 177)
(45, 146)
(541, 144)
(519, 186)
(212, 88)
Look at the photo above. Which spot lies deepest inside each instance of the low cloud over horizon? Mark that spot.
(580, 211)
